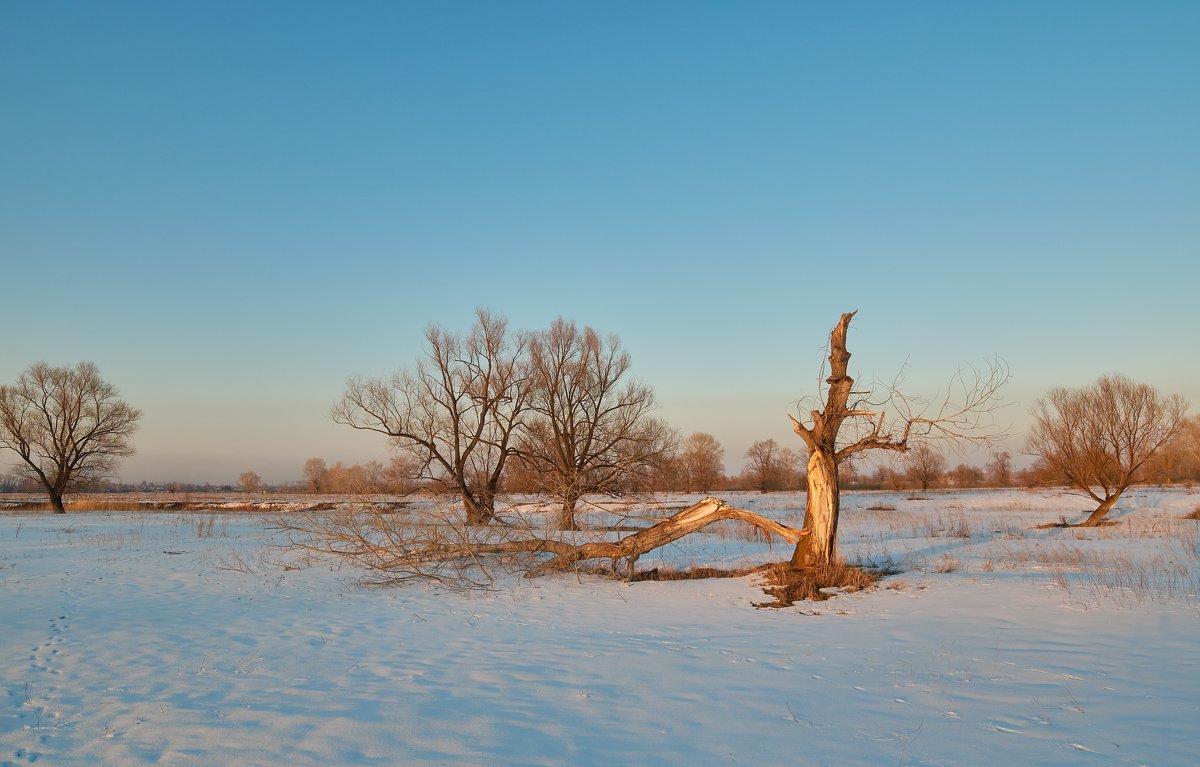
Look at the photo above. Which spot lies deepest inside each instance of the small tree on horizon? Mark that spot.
(250, 482)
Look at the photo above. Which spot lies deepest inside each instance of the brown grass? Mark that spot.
(691, 573)
(1194, 515)
(789, 585)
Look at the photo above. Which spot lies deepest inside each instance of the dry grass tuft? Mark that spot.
(789, 585)
(1194, 515)
(947, 563)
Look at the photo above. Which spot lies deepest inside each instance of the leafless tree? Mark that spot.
(590, 428)
(999, 469)
(68, 426)
(701, 462)
(250, 482)
(316, 474)
(1100, 437)
(843, 422)
(456, 412)
(966, 475)
(762, 463)
(791, 469)
(925, 465)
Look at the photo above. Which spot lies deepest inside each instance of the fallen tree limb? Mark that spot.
(440, 548)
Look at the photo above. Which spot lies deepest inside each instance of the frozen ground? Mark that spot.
(130, 639)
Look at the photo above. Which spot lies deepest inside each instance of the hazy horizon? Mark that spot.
(230, 209)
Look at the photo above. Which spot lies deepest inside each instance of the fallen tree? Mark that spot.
(440, 546)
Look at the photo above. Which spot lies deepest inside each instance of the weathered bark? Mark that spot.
(56, 501)
(821, 514)
(566, 516)
(478, 511)
(824, 501)
(1097, 516)
(630, 548)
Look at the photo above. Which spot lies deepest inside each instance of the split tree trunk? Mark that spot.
(821, 514)
(631, 547)
(56, 501)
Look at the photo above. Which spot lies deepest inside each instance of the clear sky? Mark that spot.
(230, 207)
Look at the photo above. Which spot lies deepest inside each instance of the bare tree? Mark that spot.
(456, 412)
(966, 475)
(68, 426)
(964, 413)
(701, 462)
(999, 469)
(250, 482)
(316, 474)
(1100, 437)
(791, 469)
(590, 429)
(925, 465)
(762, 463)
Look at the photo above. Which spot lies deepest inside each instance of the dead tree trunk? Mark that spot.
(678, 525)
(821, 514)
(394, 549)
(872, 431)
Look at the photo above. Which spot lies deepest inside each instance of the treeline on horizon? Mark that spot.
(697, 467)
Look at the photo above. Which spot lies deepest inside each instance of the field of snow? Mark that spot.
(186, 639)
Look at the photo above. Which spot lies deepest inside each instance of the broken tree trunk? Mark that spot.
(631, 547)
(821, 515)
(678, 525)
(395, 549)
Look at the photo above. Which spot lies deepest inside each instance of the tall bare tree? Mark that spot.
(456, 412)
(590, 429)
(701, 462)
(1100, 437)
(844, 422)
(68, 426)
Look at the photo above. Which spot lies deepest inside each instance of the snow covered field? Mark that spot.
(130, 639)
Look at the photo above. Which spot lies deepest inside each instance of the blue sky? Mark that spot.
(231, 207)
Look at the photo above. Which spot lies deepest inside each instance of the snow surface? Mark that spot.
(131, 639)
